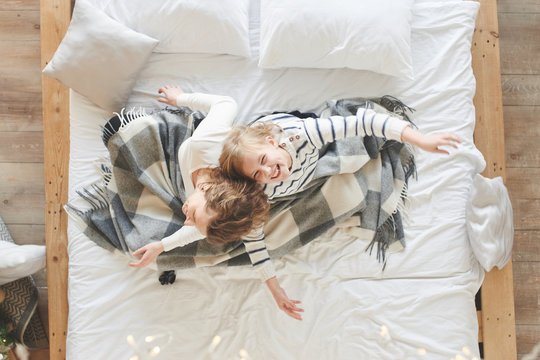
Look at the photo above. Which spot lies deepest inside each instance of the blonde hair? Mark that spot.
(241, 139)
(240, 206)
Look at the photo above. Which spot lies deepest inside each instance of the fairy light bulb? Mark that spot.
(155, 351)
(243, 354)
(131, 340)
(466, 351)
(149, 339)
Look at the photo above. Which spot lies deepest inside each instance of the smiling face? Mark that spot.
(196, 211)
(266, 163)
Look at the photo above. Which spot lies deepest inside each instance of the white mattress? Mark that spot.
(424, 299)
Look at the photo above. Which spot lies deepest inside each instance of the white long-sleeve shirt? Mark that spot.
(202, 150)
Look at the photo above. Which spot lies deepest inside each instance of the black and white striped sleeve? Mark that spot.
(367, 122)
(258, 254)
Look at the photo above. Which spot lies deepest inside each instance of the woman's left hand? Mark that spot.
(282, 300)
(147, 254)
(170, 94)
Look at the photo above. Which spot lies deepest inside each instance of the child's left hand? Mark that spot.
(430, 142)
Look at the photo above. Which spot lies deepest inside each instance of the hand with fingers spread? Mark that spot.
(290, 307)
(431, 142)
(170, 94)
(147, 254)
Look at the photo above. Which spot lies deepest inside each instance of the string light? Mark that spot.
(155, 351)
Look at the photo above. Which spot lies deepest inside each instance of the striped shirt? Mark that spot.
(303, 138)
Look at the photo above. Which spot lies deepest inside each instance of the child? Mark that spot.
(281, 151)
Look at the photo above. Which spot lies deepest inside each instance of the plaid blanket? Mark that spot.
(142, 193)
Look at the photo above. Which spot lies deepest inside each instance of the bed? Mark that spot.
(421, 306)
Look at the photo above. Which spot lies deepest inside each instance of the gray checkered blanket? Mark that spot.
(142, 193)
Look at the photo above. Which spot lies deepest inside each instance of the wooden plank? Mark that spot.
(498, 323)
(55, 17)
(480, 329)
(20, 86)
(27, 233)
(22, 178)
(527, 294)
(20, 147)
(22, 208)
(526, 247)
(521, 6)
(521, 121)
(522, 129)
(520, 34)
(523, 183)
(526, 214)
(528, 339)
(19, 5)
(19, 25)
(57, 279)
(521, 89)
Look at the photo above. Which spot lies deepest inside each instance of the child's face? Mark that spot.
(267, 163)
(196, 211)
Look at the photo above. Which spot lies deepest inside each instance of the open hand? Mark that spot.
(147, 254)
(282, 300)
(430, 142)
(170, 94)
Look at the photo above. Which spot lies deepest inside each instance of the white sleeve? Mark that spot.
(207, 140)
(184, 236)
(258, 254)
(366, 123)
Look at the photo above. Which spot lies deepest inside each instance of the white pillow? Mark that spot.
(365, 35)
(99, 57)
(187, 26)
(490, 222)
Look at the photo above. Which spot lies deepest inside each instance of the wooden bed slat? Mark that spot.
(498, 316)
(55, 17)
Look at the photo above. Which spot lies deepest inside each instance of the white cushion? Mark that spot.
(99, 57)
(366, 35)
(490, 222)
(187, 26)
(18, 261)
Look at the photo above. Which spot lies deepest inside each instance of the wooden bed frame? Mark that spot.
(496, 317)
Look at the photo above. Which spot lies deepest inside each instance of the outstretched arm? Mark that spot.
(429, 143)
(258, 254)
(149, 252)
(282, 300)
(368, 122)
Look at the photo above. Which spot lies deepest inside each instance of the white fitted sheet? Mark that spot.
(424, 297)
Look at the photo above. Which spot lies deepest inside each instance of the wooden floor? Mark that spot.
(22, 197)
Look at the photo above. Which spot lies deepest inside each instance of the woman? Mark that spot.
(151, 184)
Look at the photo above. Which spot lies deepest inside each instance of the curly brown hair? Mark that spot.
(240, 206)
(241, 139)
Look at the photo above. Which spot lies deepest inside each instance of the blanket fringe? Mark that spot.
(386, 233)
(125, 117)
(396, 106)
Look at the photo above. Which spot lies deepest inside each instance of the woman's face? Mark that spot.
(267, 163)
(196, 211)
